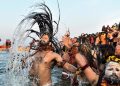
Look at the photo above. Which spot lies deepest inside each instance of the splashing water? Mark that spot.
(17, 71)
(17, 75)
(19, 50)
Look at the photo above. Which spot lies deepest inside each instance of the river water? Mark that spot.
(6, 79)
(3, 64)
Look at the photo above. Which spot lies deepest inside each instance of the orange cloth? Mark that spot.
(104, 83)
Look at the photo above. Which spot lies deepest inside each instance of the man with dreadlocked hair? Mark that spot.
(46, 49)
(81, 61)
(69, 52)
(72, 55)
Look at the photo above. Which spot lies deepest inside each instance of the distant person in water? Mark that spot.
(47, 49)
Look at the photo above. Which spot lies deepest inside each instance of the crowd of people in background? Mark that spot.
(87, 60)
(92, 59)
(102, 52)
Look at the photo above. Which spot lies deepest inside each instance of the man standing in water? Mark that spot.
(41, 66)
(46, 50)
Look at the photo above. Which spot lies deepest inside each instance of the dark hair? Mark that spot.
(45, 23)
(104, 29)
(119, 26)
(115, 34)
(101, 75)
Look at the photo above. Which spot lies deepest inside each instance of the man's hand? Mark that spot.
(67, 41)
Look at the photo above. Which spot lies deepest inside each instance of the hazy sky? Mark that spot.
(80, 16)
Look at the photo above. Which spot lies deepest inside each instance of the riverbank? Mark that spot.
(4, 48)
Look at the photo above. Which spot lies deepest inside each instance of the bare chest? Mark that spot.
(43, 57)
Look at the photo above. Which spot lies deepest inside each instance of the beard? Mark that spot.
(112, 79)
(43, 43)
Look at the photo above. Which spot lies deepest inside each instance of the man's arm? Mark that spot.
(61, 62)
(69, 67)
(90, 74)
(67, 41)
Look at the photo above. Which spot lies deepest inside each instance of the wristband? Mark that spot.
(84, 67)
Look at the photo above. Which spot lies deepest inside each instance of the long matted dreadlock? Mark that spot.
(45, 23)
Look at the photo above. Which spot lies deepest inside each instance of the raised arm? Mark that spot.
(90, 74)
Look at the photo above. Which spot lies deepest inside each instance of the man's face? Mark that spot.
(74, 40)
(45, 39)
(112, 72)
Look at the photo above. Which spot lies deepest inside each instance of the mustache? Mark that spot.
(43, 42)
(113, 76)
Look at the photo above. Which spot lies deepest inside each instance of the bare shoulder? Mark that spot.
(57, 57)
(53, 55)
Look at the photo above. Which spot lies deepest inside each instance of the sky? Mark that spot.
(80, 16)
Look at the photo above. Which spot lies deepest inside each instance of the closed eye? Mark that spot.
(110, 69)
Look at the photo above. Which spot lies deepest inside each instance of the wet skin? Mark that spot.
(41, 65)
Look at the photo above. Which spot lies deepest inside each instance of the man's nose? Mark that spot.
(114, 72)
